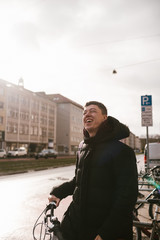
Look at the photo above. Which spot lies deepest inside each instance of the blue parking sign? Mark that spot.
(146, 100)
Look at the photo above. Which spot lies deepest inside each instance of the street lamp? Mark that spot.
(114, 71)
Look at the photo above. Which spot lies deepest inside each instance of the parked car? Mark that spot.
(154, 154)
(47, 153)
(18, 152)
(3, 153)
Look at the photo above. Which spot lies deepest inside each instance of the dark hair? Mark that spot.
(100, 105)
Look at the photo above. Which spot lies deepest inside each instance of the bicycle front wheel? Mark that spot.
(152, 209)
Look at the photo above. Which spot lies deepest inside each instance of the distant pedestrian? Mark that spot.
(104, 187)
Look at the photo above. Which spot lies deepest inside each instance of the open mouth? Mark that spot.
(88, 121)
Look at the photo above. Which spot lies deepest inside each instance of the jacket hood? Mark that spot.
(110, 129)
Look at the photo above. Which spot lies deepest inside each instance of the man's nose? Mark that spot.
(87, 115)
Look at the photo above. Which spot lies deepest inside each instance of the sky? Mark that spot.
(71, 47)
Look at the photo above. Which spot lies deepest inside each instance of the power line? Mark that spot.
(144, 62)
(134, 64)
(120, 40)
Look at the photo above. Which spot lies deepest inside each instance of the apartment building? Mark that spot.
(26, 118)
(138, 144)
(2, 116)
(39, 120)
(133, 141)
(69, 130)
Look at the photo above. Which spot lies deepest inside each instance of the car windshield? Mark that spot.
(44, 150)
(1, 150)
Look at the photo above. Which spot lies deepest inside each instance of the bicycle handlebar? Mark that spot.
(48, 218)
(51, 205)
(58, 234)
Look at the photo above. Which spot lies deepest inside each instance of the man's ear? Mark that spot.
(105, 117)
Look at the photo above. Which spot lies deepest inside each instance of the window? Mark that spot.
(51, 122)
(35, 130)
(13, 99)
(50, 133)
(13, 113)
(44, 132)
(1, 120)
(12, 128)
(21, 129)
(32, 117)
(1, 91)
(51, 110)
(44, 107)
(43, 120)
(26, 129)
(31, 130)
(1, 104)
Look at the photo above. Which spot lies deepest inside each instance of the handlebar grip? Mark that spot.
(51, 205)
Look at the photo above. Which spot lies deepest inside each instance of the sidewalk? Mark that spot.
(23, 165)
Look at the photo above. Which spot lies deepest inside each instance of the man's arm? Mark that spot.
(65, 189)
(62, 191)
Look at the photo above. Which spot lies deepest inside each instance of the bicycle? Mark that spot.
(155, 193)
(153, 172)
(49, 227)
(148, 229)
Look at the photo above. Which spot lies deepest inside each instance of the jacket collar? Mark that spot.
(110, 129)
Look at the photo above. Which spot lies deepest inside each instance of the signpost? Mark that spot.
(146, 114)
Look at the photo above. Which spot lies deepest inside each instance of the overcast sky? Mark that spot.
(71, 47)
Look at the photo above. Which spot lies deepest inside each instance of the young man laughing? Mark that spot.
(105, 184)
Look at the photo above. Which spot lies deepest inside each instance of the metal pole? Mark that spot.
(147, 142)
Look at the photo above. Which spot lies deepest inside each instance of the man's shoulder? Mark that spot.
(120, 143)
(118, 146)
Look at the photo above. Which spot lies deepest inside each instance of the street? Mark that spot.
(24, 197)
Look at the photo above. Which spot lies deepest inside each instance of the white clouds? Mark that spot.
(71, 47)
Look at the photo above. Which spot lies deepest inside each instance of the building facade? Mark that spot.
(133, 141)
(2, 116)
(69, 130)
(26, 118)
(39, 120)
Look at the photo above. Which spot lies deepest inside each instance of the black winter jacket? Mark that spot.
(104, 188)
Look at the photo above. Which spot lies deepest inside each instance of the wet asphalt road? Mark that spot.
(24, 196)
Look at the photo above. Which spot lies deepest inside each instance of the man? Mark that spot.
(104, 187)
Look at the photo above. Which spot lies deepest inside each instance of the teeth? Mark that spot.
(88, 120)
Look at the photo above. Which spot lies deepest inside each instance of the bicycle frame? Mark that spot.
(155, 192)
(153, 225)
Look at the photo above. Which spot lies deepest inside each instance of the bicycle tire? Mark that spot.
(151, 210)
(137, 233)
